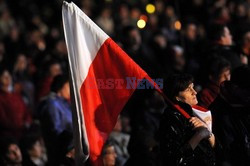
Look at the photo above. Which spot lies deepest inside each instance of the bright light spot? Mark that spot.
(144, 17)
(150, 8)
(177, 25)
(141, 24)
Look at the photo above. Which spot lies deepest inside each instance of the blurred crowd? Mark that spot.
(205, 38)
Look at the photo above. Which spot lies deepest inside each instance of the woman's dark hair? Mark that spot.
(58, 82)
(175, 84)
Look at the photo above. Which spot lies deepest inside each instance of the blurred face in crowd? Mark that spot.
(65, 91)
(170, 11)
(179, 61)
(247, 40)
(36, 151)
(226, 39)
(2, 48)
(241, 10)
(5, 79)
(21, 63)
(61, 47)
(14, 33)
(224, 76)
(55, 69)
(135, 38)
(225, 14)
(191, 31)
(71, 154)
(124, 12)
(159, 6)
(188, 95)
(110, 156)
(161, 41)
(14, 155)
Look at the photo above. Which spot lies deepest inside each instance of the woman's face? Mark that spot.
(188, 95)
(5, 78)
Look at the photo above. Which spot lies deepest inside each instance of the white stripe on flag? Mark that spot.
(84, 47)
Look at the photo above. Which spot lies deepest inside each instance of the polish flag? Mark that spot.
(95, 59)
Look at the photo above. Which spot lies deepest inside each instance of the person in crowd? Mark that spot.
(160, 47)
(32, 28)
(120, 140)
(3, 58)
(219, 70)
(185, 141)
(55, 114)
(134, 46)
(22, 79)
(10, 153)
(14, 116)
(108, 154)
(190, 38)
(176, 61)
(54, 69)
(230, 112)
(65, 149)
(222, 42)
(244, 48)
(143, 145)
(33, 151)
(105, 21)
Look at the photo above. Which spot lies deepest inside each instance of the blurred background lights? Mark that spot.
(141, 23)
(177, 25)
(150, 8)
(144, 17)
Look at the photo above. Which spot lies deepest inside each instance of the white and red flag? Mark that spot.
(101, 72)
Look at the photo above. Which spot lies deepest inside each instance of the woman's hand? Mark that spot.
(202, 132)
(196, 122)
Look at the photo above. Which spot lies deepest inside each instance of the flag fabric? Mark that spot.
(101, 72)
(204, 114)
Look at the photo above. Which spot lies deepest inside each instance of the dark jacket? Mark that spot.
(231, 115)
(175, 132)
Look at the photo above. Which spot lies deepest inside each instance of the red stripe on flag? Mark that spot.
(200, 108)
(101, 106)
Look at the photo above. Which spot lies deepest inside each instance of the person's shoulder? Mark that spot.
(171, 114)
(218, 106)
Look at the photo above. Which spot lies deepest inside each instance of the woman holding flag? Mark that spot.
(186, 136)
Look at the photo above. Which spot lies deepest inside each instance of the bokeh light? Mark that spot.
(141, 24)
(150, 8)
(177, 25)
(144, 17)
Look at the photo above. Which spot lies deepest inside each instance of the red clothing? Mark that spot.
(44, 88)
(13, 114)
(208, 94)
